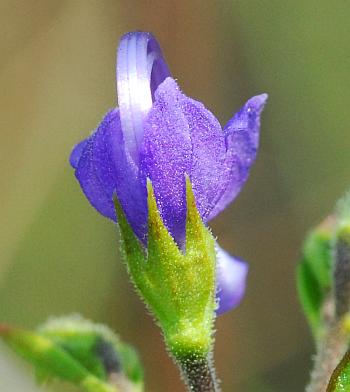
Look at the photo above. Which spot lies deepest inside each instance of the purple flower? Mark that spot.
(161, 134)
(231, 276)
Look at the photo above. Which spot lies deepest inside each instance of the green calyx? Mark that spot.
(178, 287)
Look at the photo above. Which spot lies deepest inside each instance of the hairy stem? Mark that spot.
(329, 353)
(199, 374)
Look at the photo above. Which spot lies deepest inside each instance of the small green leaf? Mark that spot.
(310, 295)
(314, 274)
(340, 379)
(95, 346)
(317, 252)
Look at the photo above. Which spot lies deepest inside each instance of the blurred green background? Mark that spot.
(58, 256)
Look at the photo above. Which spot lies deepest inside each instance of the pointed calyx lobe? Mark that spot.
(178, 288)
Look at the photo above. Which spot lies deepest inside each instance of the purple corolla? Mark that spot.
(159, 133)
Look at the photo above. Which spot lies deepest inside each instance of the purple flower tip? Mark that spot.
(231, 281)
(76, 153)
(161, 134)
(257, 103)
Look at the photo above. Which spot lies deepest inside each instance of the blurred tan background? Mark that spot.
(58, 256)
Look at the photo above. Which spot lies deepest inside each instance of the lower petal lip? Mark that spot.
(231, 280)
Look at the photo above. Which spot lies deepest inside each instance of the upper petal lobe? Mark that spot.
(166, 156)
(208, 155)
(182, 137)
(242, 139)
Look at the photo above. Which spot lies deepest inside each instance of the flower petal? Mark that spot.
(105, 168)
(95, 168)
(166, 156)
(242, 139)
(208, 155)
(130, 188)
(77, 153)
(182, 137)
(231, 280)
(140, 69)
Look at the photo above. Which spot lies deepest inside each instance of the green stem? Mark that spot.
(199, 373)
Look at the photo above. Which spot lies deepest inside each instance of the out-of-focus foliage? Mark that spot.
(59, 256)
(314, 274)
(77, 351)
